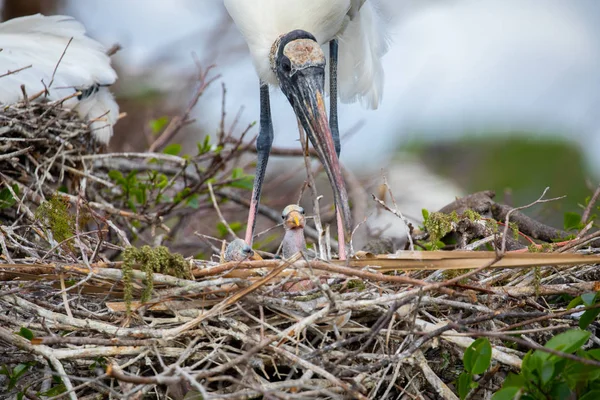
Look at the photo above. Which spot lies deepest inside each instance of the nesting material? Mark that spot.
(158, 324)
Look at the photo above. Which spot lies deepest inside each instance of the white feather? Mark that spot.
(40, 41)
(354, 22)
(362, 44)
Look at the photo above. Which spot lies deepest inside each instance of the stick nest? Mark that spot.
(85, 314)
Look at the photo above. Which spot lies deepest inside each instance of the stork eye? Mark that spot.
(286, 65)
(302, 211)
(283, 217)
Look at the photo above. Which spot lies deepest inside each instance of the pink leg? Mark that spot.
(341, 235)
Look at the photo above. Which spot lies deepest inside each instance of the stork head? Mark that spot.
(293, 217)
(299, 63)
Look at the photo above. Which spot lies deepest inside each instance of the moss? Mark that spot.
(439, 225)
(515, 229)
(471, 215)
(453, 273)
(547, 248)
(55, 215)
(356, 284)
(150, 260)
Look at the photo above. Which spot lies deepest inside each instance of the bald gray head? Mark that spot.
(238, 250)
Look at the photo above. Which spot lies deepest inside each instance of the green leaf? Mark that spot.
(116, 176)
(567, 342)
(205, 146)
(575, 302)
(246, 183)
(547, 372)
(561, 391)
(162, 181)
(223, 232)
(26, 333)
(55, 391)
(593, 395)
(193, 201)
(572, 221)
(157, 125)
(236, 226)
(588, 299)
(20, 370)
(6, 198)
(594, 354)
(508, 393)
(588, 317)
(464, 384)
(478, 356)
(237, 173)
(514, 380)
(425, 214)
(173, 149)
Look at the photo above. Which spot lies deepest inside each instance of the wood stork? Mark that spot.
(293, 223)
(53, 53)
(285, 39)
(238, 250)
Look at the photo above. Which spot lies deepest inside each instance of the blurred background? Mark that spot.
(479, 94)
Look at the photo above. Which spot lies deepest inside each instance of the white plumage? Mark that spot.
(355, 23)
(39, 41)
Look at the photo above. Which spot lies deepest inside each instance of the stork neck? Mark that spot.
(293, 242)
(273, 53)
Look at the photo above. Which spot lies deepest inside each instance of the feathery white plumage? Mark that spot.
(354, 22)
(39, 41)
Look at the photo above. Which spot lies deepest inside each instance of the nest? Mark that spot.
(86, 315)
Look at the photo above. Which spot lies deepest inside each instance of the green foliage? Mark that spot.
(241, 180)
(6, 198)
(223, 232)
(15, 374)
(438, 225)
(477, 359)
(173, 149)
(205, 146)
(549, 376)
(54, 214)
(150, 260)
(142, 189)
(26, 333)
(157, 125)
(55, 390)
(587, 299)
(572, 221)
(471, 215)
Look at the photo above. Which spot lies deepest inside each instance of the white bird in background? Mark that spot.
(33, 46)
(285, 39)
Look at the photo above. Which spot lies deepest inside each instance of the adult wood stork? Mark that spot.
(53, 54)
(285, 39)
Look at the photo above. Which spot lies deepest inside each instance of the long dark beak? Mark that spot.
(305, 93)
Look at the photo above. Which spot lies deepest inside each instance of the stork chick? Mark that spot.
(293, 223)
(238, 250)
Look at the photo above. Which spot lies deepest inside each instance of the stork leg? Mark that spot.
(263, 148)
(335, 132)
(333, 116)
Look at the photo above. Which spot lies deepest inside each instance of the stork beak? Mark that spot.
(293, 219)
(306, 97)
